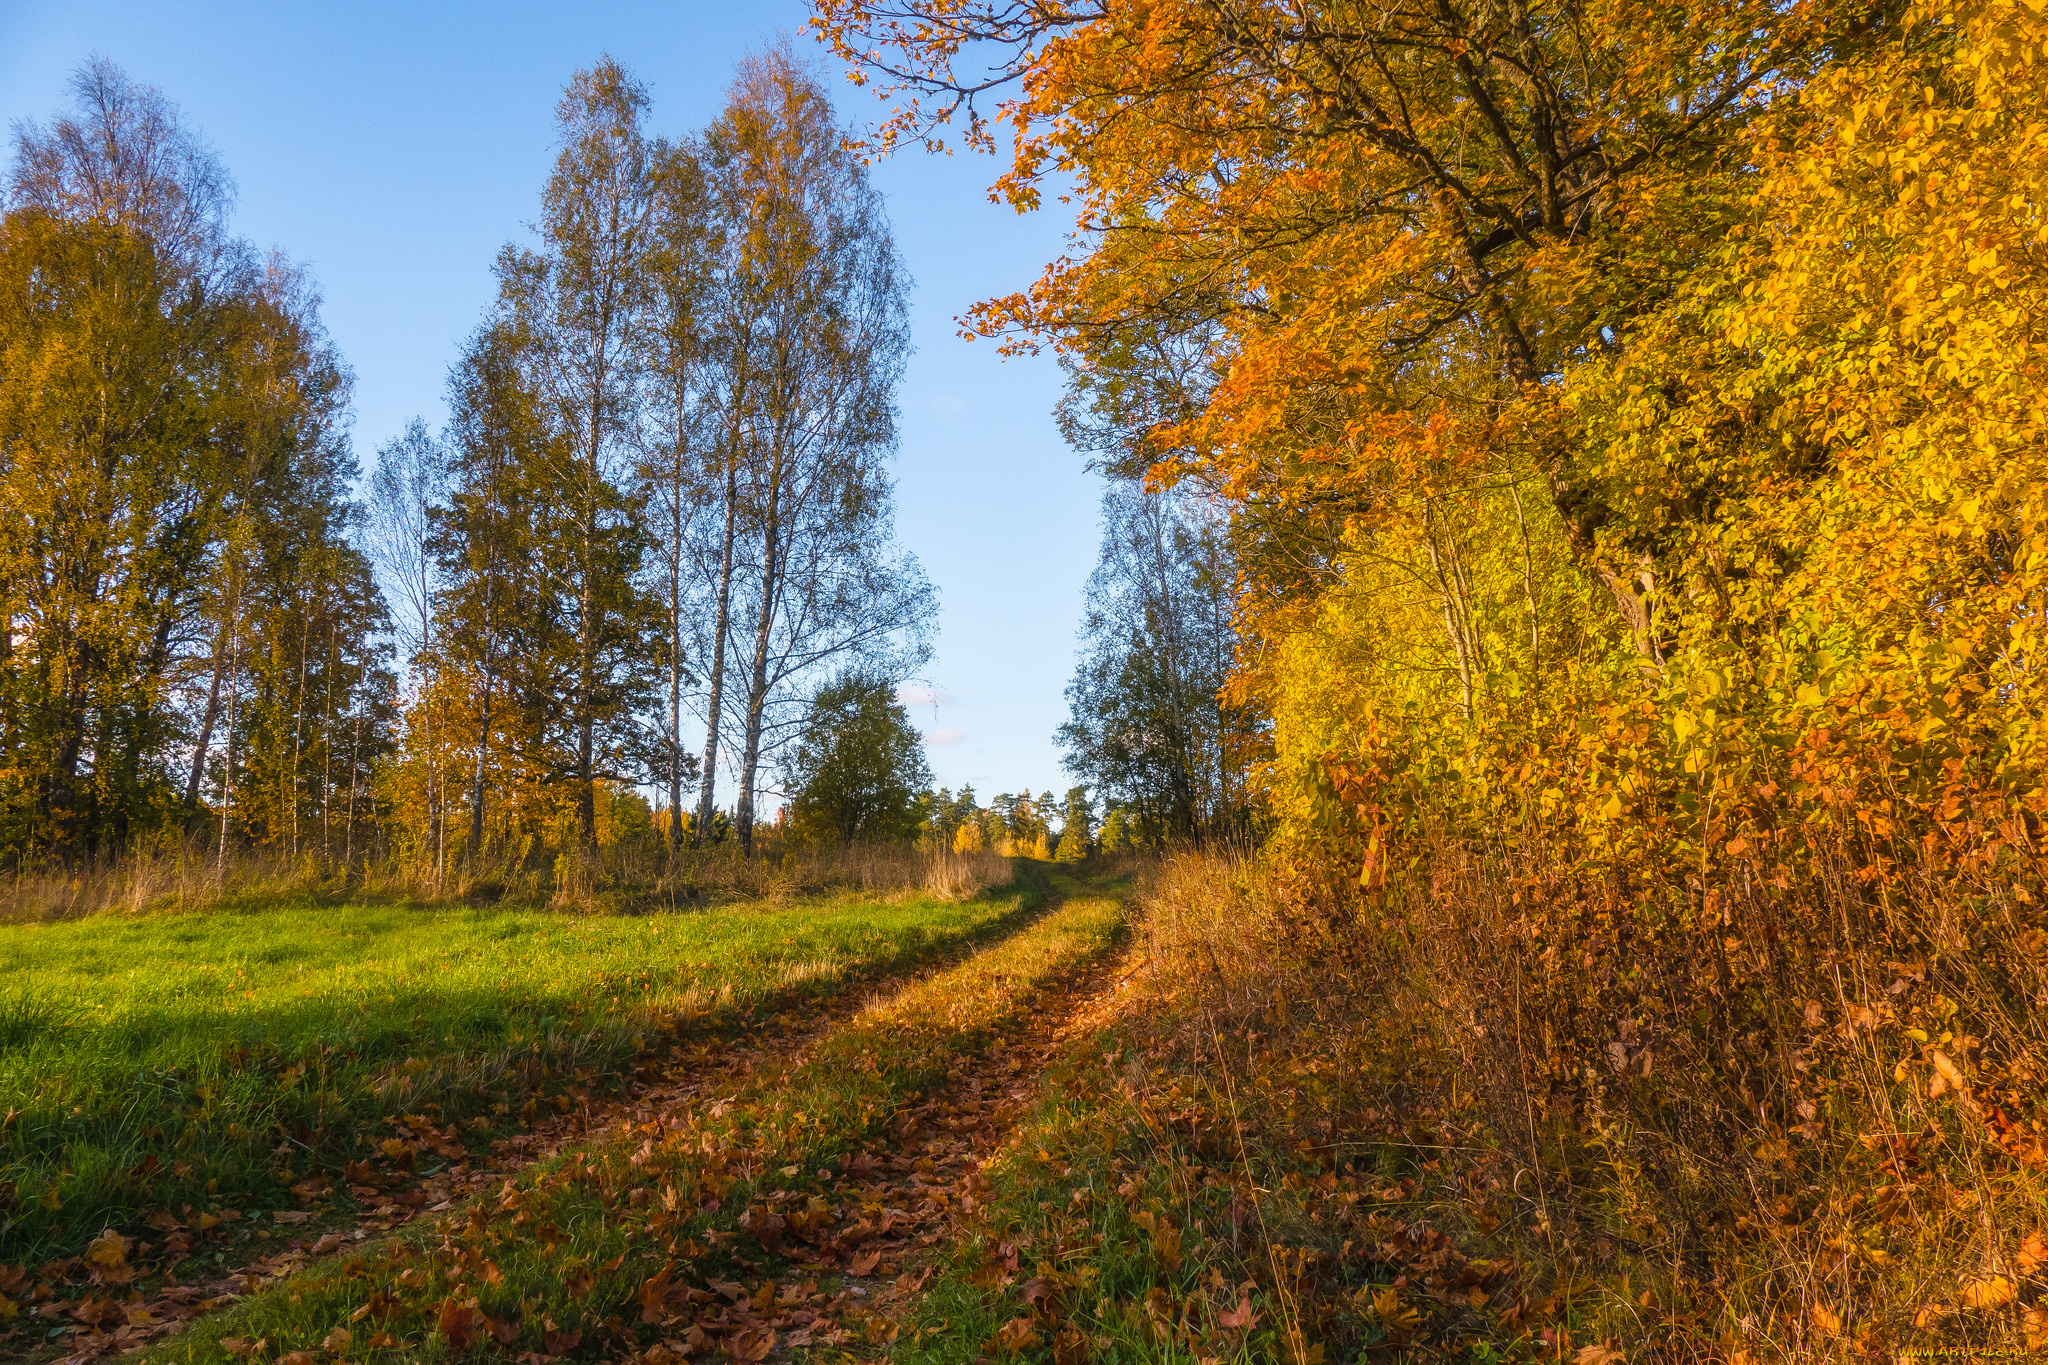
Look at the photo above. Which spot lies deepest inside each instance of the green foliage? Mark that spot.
(1148, 726)
(1076, 827)
(181, 596)
(1117, 835)
(856, 769)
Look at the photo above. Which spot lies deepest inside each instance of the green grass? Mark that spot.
(214, 1058)
(587, 1245)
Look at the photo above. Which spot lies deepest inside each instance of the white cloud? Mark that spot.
(947, 403)
(943, 737)
(922, 696)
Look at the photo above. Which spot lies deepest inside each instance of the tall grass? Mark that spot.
(644, 873)
(637, 874)
(1795, 1120)
(188, 876)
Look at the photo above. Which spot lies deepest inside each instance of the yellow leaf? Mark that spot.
(1395, 1315)
(109, 1251)
(1826, 1319)
(1993, 1291)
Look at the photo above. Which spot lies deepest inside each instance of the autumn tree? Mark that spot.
(812, 339)
(407, 484)
(500, 647)
(1629, 428)
(1487, 185)
(313, 618)
(575, 300)
(684, 477)
(176, 571)
(856, 768)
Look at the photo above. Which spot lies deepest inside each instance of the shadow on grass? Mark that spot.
(198, 1101)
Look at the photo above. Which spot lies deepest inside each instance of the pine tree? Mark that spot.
(1076, 826)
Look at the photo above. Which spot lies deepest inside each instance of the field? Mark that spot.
(148, 1063)
(1115, 1113)
(733, 1217)
(309, 1133)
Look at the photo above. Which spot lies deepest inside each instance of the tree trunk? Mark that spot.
(675, 663)
(355, 763)
(327, 750)
(299, 736)
(757, 679)
(586, 665)
(227, 760)
(706, 793)
(483, 730)
(586, 755)
(206, 724)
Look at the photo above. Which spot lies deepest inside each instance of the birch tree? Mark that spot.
(815, 320)
(682, 475)
(1147, 728)
(576, 301)
(406, 487)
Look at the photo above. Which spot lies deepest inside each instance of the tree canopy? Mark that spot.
(857, 766)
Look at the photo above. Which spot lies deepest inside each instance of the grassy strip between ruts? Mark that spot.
(1161, 1205)
(682, 1232)
(218, 1060)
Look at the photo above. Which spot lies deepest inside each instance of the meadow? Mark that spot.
(716, 1227)
(157, 1061)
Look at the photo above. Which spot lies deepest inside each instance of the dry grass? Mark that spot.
(630, 876)
(191, 876)
(1804, 1130)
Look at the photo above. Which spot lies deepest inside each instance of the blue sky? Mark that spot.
(394, 147)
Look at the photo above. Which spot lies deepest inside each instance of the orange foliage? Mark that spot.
(1631, 419)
